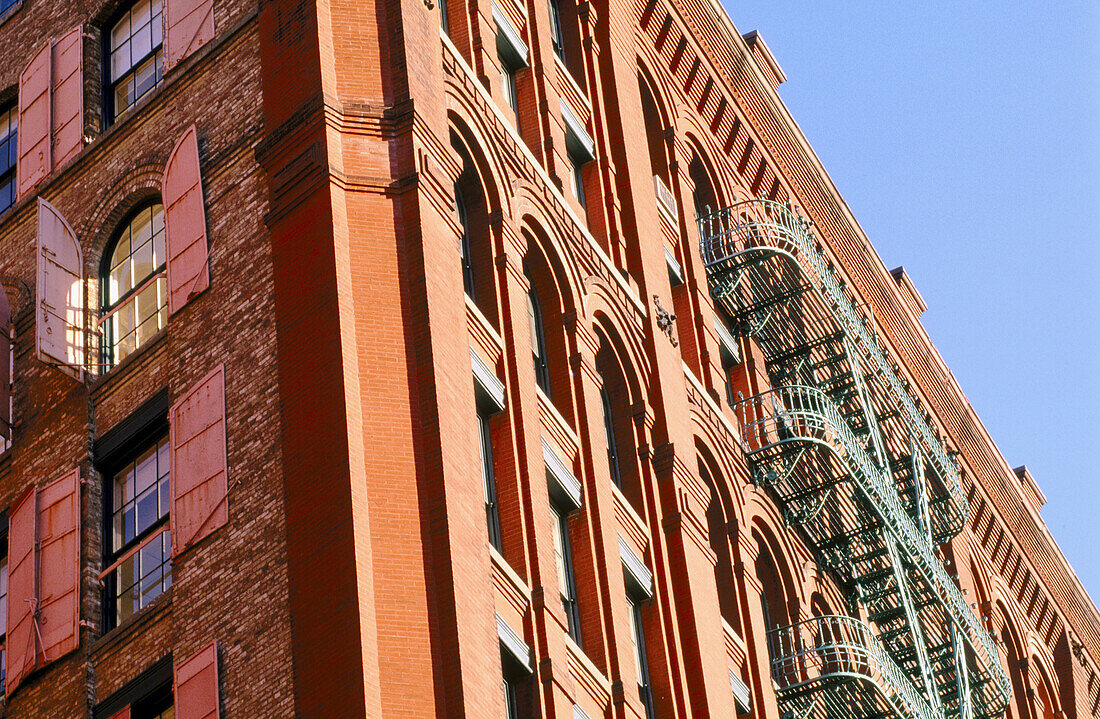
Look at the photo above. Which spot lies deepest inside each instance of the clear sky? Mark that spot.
(966, 139)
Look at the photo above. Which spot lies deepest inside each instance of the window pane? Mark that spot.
(141, 44)
(121, 33)
(145, 77)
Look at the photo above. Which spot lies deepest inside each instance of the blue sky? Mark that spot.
(966, 139)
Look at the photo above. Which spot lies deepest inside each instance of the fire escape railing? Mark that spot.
(842, 465)
(840, 659)
(730, 239)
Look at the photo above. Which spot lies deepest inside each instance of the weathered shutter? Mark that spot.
(59, 565)
(196, 685)
(199, 477)
(123, 713)
(59, 324)
(5, 365)
(67, 90)
(21, 646)
(188, 25)
(185, 222)
(34, 121)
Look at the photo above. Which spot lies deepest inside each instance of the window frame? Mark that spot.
(9, 176)
(609, 437)
(641, 661)
(538, 341)
(111, 114)
(144, 694)
(557, 38)
(488, 475)
(117, 447)
(468, 283)
(567, 583)
(107, 345)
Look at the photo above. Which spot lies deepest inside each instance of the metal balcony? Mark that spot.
(764, 267)
(801, 447)
(834, 667)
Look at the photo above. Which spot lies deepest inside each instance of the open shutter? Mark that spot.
(185, 222)
(67, 92)
(59, 565)
(5, 365)
(22, 590)
(123, 713)
(199, 477)
(196, 685)
(188, 25)
(59, 324)
(34, 121)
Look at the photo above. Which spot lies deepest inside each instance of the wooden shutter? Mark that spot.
(199, 477)
(59, 565)
(67, 97)
(196, 685)
(22, 645)
(188, 25)
(123, 713)
(34, 121)
(185, 222)
(5, 365)
(59, 300)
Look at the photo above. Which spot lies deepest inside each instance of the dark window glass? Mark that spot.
(492, 513)
(609, 439)
(443, 21)
(563, 554)
(637, 635)
(139, 543)
(9, 152)
(467, 262)
(576, 177)
(133, 286)
(508, 86)
(538, 342)
(555, 29)
(135, 56)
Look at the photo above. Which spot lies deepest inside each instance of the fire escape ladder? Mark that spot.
(923, 667)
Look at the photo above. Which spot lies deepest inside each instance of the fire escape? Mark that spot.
(841, 445)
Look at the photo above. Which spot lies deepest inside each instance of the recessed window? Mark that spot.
(135, 56)
(9, 150)
(538, 342)
(133, 286)
(555, 29)
(567, 588)
(508, 87)
(139, 543)
(576, 177)
(641, 665)
(147, 696)
(609, 438)
(467, 260)
(492, 512)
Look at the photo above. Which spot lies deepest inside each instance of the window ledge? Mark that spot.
(156, 611)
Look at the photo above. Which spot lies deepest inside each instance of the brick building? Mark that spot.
(341, 334)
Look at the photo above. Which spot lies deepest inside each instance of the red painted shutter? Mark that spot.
(22, 590)
(185, 222)
(59, 321)
(5, 366)
(67, 91)
(196, 685)
(59, 565)
(123, 713)
(199, 477)
(188, 25)
(34, 121)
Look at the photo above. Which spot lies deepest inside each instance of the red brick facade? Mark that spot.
(353, 155)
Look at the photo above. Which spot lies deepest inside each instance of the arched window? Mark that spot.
(133, 287)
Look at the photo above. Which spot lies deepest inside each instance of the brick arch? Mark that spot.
(534, 215)
(783, 608)
(708, 445)
(725, 193)
(1014, 648)
(469, 124)
(139, 186)
(763, 518)
(723, 518)
(654, 73)
(1047, 704)
(602, 306)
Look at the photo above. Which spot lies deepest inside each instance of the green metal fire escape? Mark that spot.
(841, 444)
